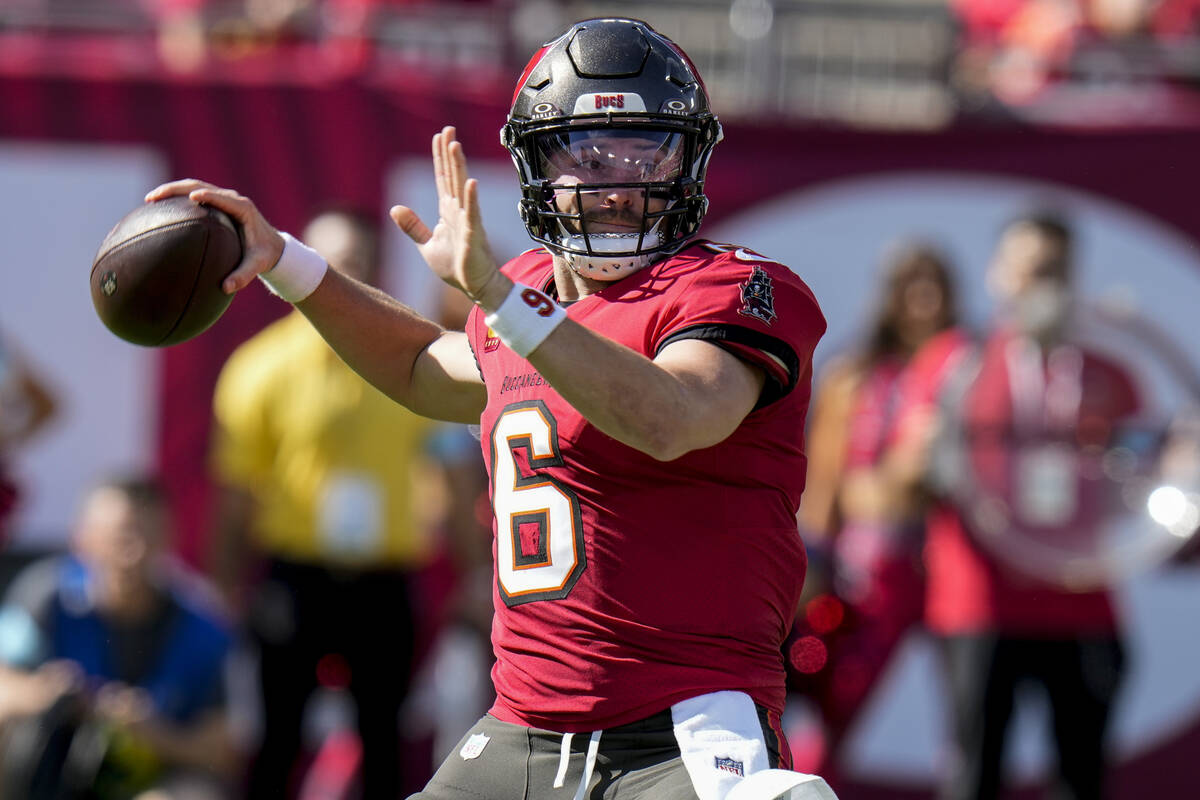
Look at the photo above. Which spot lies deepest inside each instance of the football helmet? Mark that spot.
(610, 130)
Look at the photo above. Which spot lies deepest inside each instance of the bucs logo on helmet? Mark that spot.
(611, 109)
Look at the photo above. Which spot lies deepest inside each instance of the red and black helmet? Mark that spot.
(605, 80)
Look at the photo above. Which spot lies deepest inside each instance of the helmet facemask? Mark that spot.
(609, 198)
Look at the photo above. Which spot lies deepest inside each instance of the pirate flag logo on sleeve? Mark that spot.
(758, 298)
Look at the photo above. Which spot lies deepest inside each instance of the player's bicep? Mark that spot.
(446, 383)
(719, 388)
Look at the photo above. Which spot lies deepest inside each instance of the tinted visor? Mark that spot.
(607, 155)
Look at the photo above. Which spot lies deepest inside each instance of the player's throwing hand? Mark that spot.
(261, 242)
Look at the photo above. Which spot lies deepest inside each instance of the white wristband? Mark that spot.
(297, 273)
(525, 319)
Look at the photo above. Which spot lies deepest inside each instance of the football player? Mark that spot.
(642, 394)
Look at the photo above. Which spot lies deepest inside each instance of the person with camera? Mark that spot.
(112, 665)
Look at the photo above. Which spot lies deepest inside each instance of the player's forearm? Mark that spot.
(631, 398)
(382, 340)
(693, 395)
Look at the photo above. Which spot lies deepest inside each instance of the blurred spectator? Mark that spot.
(112, 666)
(182, 32)
(189, 31)
(27, 405)
(1019, 397)
(1176, 19)
(870, 537)
(281, 19)
(317, 472)
(1013, 50)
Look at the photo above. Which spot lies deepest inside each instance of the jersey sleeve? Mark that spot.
(758, 310)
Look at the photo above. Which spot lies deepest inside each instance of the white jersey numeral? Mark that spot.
(539, 532)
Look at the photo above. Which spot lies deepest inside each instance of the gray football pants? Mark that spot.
(638, 761)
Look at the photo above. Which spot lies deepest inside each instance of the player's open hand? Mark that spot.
(261, 243)
(456, 249)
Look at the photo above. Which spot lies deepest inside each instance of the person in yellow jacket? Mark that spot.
(317, 474)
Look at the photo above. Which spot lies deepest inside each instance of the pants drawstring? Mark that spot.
(564, 755)
(589, 765)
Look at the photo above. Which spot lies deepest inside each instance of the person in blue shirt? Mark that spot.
(133, 648)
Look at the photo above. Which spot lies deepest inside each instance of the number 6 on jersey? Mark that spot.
(539, 532)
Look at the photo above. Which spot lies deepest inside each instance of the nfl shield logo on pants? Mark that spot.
(729, 765)
(474, 746)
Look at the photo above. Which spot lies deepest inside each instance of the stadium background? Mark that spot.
(848, 126)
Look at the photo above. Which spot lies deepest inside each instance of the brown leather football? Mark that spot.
(156, 280)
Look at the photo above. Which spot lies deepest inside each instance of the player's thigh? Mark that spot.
(489, 762)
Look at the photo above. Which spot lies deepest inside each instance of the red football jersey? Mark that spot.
(625, 584)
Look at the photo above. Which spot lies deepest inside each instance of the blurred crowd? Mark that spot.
(956, 488)
(1017, 52)
(916, 63)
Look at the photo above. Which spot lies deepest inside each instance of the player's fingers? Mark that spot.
(407, 220)
(447, 188)
(175, 188)
(257, 260)
(448, 185)
(262, 244)
(458, 170)
(475, 215)
(235, 205)
(439, 168)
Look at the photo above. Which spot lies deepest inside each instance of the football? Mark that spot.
(156, 279)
